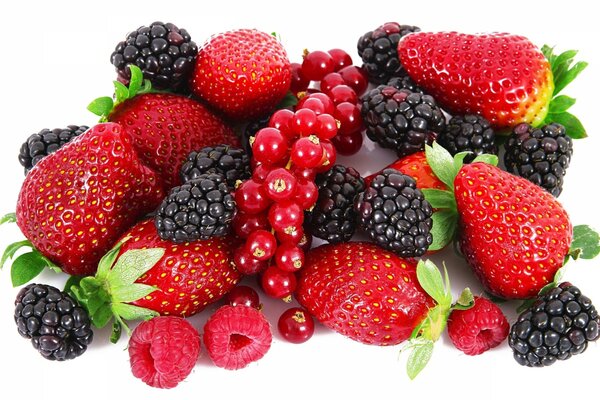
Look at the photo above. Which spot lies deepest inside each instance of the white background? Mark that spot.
(55, 59)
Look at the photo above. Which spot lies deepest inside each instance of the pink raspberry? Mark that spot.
(479, 328)
(235, 336)
(163, 351)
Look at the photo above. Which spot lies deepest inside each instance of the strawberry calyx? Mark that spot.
(103, 106)
(563, 74)
(107, 295)
(421, 342)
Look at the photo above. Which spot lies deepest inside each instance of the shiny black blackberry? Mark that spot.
(379, 51)
(197, 210)
(395, 214)
(405, 82)
(165, 54)
(223, 159)
(541, 155)
(557, 326)
(46, 141)
(400, 119)
(333, 218)
(469, 132)
(58, 328)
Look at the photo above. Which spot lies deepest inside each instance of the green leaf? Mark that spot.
(442, 164)
(572, 125)
(132, 264)
(94, 303)
(418, 358)
(8, 218)
(115, 334)
(569, 76)
(585, 244)
(131, 292)
(464, 301)
(102, 316)
(136, 80)
(26, 267)
(560, 65)
(459, 159)
(430, 279)
(121, 92)
(107, 261)
(73, 281)
(560, 104)
(11, 249)
(444, 227)
(549, 53)
(440, 198)
(491, 159)
(89, 284)
(131, 312)
(102, 106)
(289, 100)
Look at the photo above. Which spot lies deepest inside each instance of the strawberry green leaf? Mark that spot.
(491, 159)
(11, 249)
(121, 92)
(115, 333)
(585, 244)
(418, 358)
(131, 292)
(441, 163)
(136, 80)
(8, 218)
(26, 267)
(572, 125)
(89, 284)
(101, 316)
(440, 198)
(132, 264)
(102, 106)
(443, 229)
(430, 279)
(95, 303)
(459, 160)
(131, 312)
(464, 301)
(73, 281)
(289, 100)
(560, 104)
(569, 76)
(549, 54)
(107, 261)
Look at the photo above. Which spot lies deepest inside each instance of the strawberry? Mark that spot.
(163, 127)
(503, 77)
(144, 276)
(414, 165)
(243, 73)
(77, 202)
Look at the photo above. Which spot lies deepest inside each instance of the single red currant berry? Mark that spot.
(326, 126)
(292, 235)
(251, 197)
(246, 264)
(341, 59)
(305, 242)
(343, 93)
(348, 145)
(260, 171)
(356, 78)
(299, 81)
(261, 244)
(327, 102)
(329, 156)
(303, 173)
(330, 81)
(244, 224)
(316, 65)
(312, 104)
(243, 296)
(289, 257)
(278, 283)
(304, 122)
(269, 146)
(307, 152)
(306, 194)
(349, 116)
(286, 216)
(281, 120)
(296, 325)
(280, 184)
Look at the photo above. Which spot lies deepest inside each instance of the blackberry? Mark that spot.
(197, 210)
(541, 155)
(395, 214)
(223, 159)
(400, 119)
(46, 141)
(379, 51)
(58, 328)
(165, 54)
(557, 326)
(333, 218)
(468, 133)
(405, 82)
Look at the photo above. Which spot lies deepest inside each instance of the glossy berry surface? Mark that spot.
(280, 184)
(289, 257)
(278, 283)
(269, 146)
(340, 58)
(243, 296)
(261, 244)
(246, 263)
(317, 64)
(251, 197)
(296, 325)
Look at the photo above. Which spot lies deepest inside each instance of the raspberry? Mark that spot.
(235, 336)
(479, 328)
(163, 351)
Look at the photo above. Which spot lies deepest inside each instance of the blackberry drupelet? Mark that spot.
(58, 328)
(379, 51)
(197, 210)
(231, 162)
(333, 218)
(470, 132)
(46, 141)
(400, 119)
(405, 82)
(395, 214)
(165, 54)
(541, 155)
(557, 326)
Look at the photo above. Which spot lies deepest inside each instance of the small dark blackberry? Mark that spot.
(405, 82)
(400, 119)
(379, 51)
(58, 328)
(333, 218)
(223, 159)
(197, 210)
(395, 214)
(541, 155)
(165, 54)
(470, 132)
(557, 326)
(46, 141)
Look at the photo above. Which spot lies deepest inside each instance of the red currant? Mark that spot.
(330, 81)
(246, 264)
(299, 81)
(244, 224)
(326, 127)
(261, 244)
(280, 184)
(317, 64)
(306, 193)
(349, 116)
(303, 173)
(307, 152)
(303, 122)
(356, 78)
(281, 120)
(278, 283)
(243, 296)
(329, 156)
(348, 145)
(260, 172)
(328, 105)
(342, 93)
(269, 146)
(251, 197)
(341, 59)
(289, 257)
(286, 216)
(312, 104)
(296, 325)
(292, 235)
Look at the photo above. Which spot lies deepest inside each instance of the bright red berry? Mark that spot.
(269, 146)
(289, 257)
(317, 64)
(328, 105)
(342, 93)
(278, 283)
(355, 77)
(306, 193)
(304, 122)
(330, 81)
(261, 244)
(251, 197)
(280, 184)
(291, 234)
(340, 58)
(286, 216)
(349, 116)
(326, 127)
(299, 81)
(307, 152)
(247, 264)
(243, 296)
(260, 171)
(329, 155)
(296, 325)
(281, 120)
(244, 224)
(348, 145)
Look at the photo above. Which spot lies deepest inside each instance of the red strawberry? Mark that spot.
(503, 77)
(414, 165)
(243, 73)
(77, 201)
